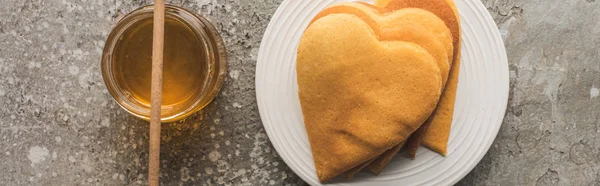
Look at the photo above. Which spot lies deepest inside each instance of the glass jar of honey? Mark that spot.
(194, 63)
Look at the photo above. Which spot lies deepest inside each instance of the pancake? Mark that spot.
(360, 96)
(409, 24)
(438, 129)
(436, 138)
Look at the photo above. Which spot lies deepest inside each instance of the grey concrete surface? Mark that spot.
(59, 125)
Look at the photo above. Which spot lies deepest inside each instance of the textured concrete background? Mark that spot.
(59, 125)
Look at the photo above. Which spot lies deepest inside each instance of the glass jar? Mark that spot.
(194, 63)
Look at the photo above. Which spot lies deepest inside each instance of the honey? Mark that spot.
(184, 62)
(193, 63)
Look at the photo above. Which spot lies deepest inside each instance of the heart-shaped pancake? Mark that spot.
(411, 25)
(399, 25)
(435, 132)
(436, 138)
(359, 95)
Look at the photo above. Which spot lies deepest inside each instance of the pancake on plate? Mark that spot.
(360, 96)
(434, 134)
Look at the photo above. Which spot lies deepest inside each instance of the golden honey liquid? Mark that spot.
(184, 63)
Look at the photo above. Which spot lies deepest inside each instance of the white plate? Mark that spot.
(480, 104)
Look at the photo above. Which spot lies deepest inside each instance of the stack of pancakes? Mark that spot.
(375, 79)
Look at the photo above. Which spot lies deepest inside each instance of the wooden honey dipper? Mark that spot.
(156, 91)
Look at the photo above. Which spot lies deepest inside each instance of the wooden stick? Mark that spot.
(156, 92)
